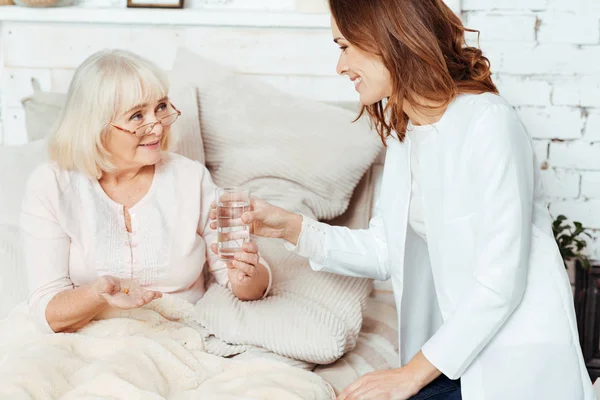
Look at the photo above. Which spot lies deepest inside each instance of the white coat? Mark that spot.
(486, 298)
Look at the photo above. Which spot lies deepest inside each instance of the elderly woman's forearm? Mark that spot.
(71, 310)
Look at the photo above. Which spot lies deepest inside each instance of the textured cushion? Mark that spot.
(376, 348)
(304, 155)
(42, 110)
(16, 163)
(187, 127)
(13, 276)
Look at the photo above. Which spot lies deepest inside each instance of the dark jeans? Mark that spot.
(440, 389)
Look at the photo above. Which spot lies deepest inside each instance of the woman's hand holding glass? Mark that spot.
(267, 220)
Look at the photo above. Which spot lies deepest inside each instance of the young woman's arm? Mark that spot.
(359, 253)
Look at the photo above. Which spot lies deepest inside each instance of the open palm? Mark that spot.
(124, 293)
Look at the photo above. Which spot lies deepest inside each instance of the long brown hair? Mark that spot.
(422, 44)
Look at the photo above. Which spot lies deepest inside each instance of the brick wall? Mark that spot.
(545, 56)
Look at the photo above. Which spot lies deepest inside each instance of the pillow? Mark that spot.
(16, 164)
(376, 348)
(303, 155)
(186, 129)
(42, 110)
(13, 277)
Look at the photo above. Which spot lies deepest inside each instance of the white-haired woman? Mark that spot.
(116, 219)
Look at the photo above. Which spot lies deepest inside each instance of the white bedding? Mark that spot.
(148, 353)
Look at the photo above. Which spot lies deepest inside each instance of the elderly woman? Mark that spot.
(116, 219)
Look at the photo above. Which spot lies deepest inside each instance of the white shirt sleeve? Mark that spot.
(46, 246)
(358, 253)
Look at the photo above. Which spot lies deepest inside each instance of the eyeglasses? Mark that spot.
(147, 129)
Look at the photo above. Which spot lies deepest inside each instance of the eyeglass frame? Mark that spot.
(151, 124)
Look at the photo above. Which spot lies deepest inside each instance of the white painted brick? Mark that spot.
(146, 41)
(494, 51)
(17, 84)
(500, 27)
(577, 91)
(101, 3)
(298, 52)
(576, 155)
(594, 245)
(524, 91)
(589, 59)
(329, 89)
(540, 147)
(61, 79)
(584, 7)
(14, 126)
(561, 184)
(455, 5)
(590, 184)
(590, 94)
(504, 5)
(312, 6)
(585, 212)
(592, 127)
(566, 92)
(274, 5)
(552, 122)
(64, 45)
(266, 51)
(557, 59)
(568, 28)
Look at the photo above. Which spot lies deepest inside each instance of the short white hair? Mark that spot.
(105, 85)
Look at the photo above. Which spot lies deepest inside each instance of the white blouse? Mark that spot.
(73, 233)
(417, 136)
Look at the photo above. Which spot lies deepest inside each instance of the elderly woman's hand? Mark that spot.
(123, 293)
(244, 264)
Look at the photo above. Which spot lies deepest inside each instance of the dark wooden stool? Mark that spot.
(587, 309)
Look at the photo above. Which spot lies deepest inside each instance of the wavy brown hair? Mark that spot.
(422, 44)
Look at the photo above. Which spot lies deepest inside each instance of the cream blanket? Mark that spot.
(148, 353)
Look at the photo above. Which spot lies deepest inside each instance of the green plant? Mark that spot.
(570, 240)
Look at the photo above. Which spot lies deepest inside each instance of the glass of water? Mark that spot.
(232, 233)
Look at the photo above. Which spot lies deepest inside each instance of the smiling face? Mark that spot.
(129, 151)
(366, 70)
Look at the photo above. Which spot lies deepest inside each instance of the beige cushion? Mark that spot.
(376, 348)
(16, 163)
(187, 127)
(42, 110)
(304, 155)
(13, 277)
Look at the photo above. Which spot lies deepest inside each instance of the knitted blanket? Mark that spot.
(147, 353)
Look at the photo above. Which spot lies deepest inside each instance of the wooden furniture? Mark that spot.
(587, 309)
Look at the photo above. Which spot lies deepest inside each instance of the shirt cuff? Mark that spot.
(268, 268)
(312, 242)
